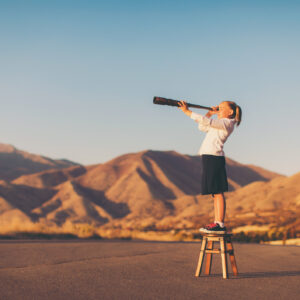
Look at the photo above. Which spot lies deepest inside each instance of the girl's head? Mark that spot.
(230, 110)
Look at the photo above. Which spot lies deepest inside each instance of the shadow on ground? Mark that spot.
(258, 274)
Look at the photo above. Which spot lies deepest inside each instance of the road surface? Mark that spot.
(97, 269)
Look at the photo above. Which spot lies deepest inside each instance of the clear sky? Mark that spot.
(77, 78)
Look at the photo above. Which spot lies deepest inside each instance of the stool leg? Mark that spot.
(232, 257)
(201, 256)
(224, 258)
(210, 246)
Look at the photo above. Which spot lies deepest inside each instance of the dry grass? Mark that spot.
(252, 228)
(290, 242)
(16, 227)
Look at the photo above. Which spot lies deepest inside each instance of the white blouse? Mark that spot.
(218, 130)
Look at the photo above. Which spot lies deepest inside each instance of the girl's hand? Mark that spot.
(214, 111)
(183, 106)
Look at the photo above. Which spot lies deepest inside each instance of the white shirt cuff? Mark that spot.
(194, 116)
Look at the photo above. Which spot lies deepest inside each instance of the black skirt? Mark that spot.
(214, 177)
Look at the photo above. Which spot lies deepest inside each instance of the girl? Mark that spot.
(214, 177)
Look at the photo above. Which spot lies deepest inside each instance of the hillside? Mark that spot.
(15, 163)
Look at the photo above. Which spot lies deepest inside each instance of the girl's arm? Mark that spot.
(183, 106)
(223, 124)
(204, 121)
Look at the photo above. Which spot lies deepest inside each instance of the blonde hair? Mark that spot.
(237, 112)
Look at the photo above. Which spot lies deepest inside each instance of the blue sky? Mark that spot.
(77, 78)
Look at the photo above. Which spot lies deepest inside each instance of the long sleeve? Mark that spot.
(197, 118)
(207, 123)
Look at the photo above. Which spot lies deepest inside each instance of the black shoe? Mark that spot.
(214, 228)
(203, 229)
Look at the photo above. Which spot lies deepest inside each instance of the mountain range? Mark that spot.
(147, 190)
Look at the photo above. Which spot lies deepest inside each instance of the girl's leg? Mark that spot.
(220, 207)
(216, 208)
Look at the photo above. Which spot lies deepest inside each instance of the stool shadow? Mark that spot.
(268, 274)
(258, 274)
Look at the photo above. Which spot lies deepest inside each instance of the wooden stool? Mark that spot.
(207, 247)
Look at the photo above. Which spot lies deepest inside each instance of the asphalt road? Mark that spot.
(142, 270)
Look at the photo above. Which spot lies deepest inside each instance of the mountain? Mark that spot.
(138, 190)
(50, 178)
(15, 163)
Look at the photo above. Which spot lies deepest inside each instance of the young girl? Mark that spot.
(214, 177)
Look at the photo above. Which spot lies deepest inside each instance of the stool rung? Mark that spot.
(214, 239)
(215, 251)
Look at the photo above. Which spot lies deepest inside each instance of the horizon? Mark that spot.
(78, 77)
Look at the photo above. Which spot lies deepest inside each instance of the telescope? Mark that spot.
(171, 102)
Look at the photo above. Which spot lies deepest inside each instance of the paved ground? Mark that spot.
(142, 270)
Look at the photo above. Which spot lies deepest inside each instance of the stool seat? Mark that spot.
(207, 248)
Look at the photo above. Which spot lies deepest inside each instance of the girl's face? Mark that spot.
(224, 111)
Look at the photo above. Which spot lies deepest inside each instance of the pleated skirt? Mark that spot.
(214, 176)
